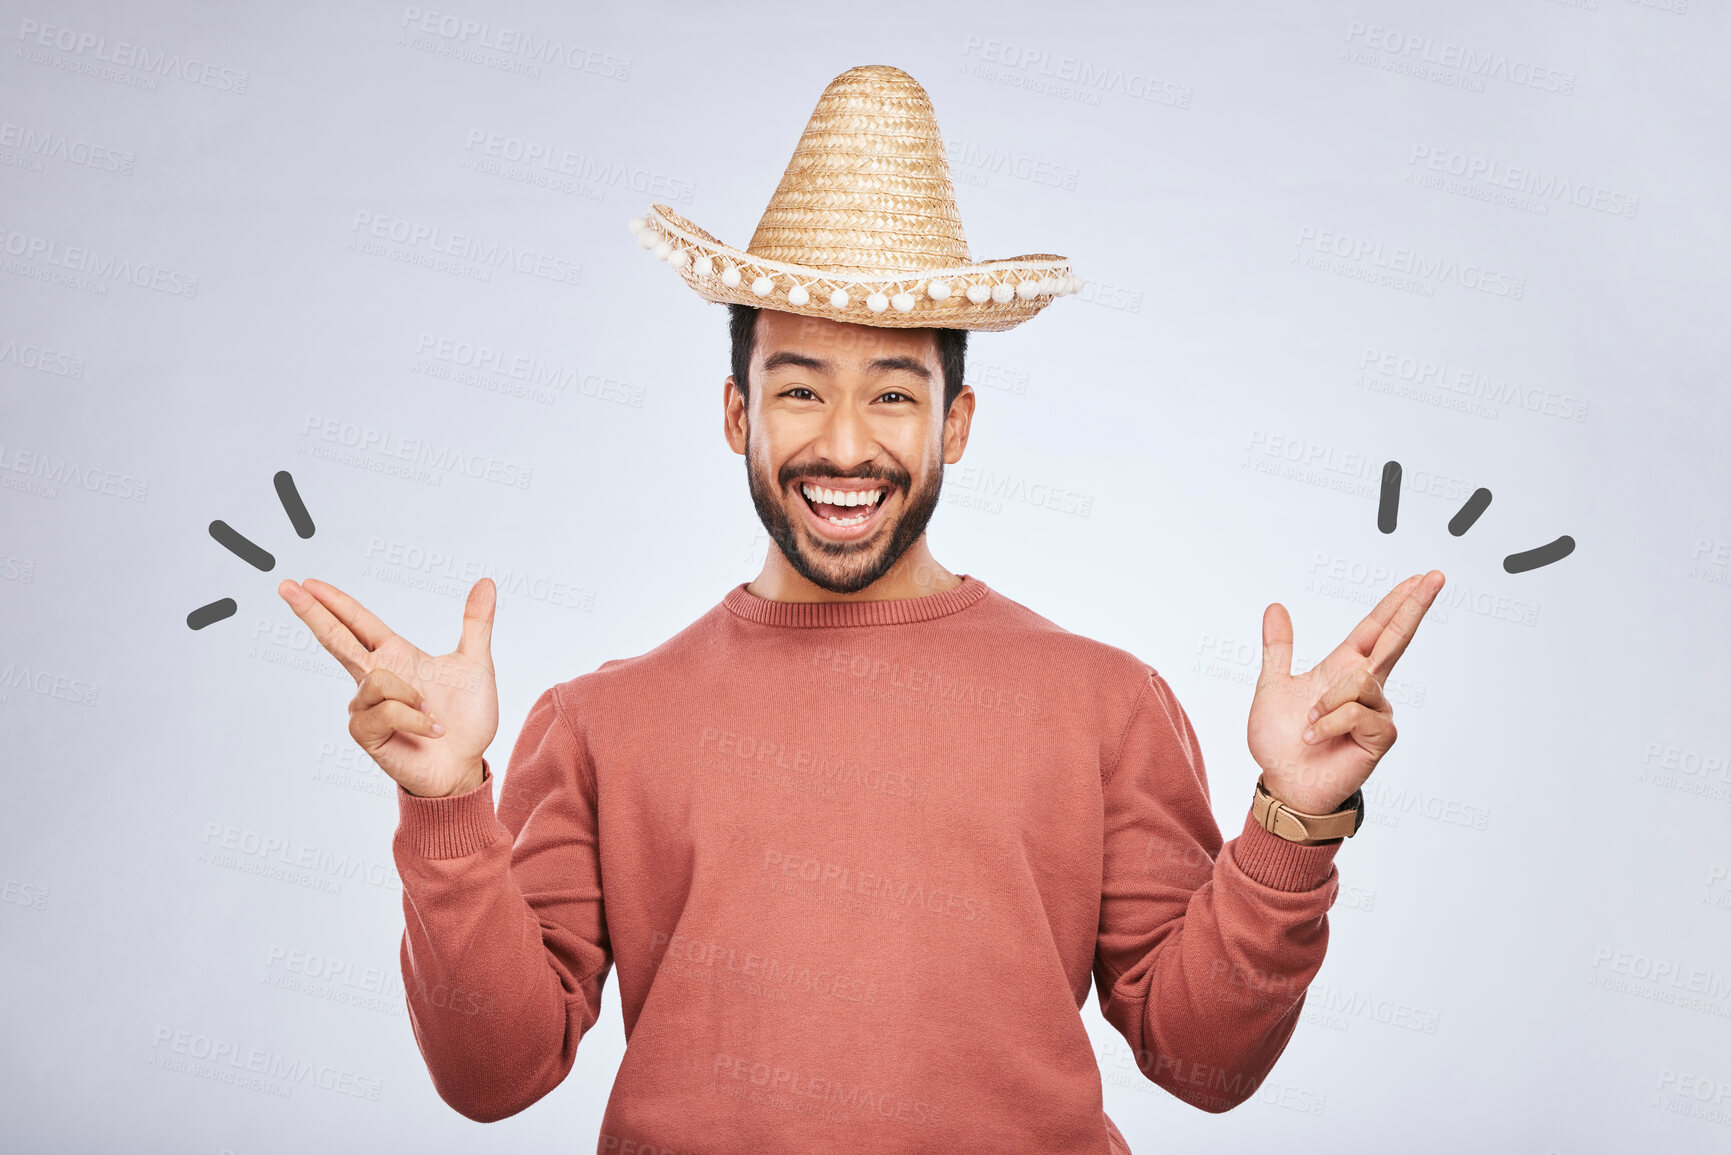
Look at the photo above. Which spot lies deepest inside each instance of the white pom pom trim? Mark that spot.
(674, 246)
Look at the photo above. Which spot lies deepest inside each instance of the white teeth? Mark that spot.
(842, 497)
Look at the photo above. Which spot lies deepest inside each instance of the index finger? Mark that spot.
(1363, 637)
(1400, 629)
(366, 625)
(331, 633)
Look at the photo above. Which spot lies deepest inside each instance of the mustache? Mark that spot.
(866, 471)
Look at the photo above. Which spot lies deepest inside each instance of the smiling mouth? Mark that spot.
(848, 509)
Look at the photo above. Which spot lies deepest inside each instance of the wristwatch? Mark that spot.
(1278, 818)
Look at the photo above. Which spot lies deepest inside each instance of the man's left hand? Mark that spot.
(1319, 734)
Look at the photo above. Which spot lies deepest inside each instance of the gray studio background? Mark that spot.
(1485, 240)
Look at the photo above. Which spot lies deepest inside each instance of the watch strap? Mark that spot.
(1279, 819)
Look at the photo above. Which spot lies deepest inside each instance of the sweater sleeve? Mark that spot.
(505, 946)
(1204, 952)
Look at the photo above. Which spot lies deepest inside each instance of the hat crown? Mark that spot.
(868, 189)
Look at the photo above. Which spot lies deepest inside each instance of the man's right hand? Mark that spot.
(426, 721)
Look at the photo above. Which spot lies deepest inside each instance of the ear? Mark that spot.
(957, 422)
(733, 415)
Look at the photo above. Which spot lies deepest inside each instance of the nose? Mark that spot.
(846, 438)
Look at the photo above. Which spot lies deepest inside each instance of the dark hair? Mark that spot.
(742, 326)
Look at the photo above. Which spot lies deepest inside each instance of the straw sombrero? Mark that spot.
(863, 226)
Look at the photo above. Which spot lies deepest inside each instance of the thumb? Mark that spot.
(1276, 641)
(477, 638)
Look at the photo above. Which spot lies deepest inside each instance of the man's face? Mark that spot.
(845, 442)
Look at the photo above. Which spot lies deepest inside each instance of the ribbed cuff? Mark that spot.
(1277, 863)
(449, 827)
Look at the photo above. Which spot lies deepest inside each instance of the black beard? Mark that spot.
(853, 565)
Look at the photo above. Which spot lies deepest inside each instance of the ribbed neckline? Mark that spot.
(894, 612)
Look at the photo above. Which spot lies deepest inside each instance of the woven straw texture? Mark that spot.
(868, 189)
(865, 207)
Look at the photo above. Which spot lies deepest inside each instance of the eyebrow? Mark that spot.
(804, 361)
(908, 364)
(817, 364)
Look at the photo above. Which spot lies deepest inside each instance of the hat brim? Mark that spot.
(1015, 288)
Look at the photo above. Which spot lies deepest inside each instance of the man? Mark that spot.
(860, 836)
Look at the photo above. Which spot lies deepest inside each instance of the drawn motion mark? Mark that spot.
(1544, 555)
(214, 612)
(292, 503)
(1388, 509)
(240, 547)
(1476, 504)
(250, 552)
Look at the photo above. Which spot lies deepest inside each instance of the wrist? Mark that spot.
(471, 781)
(1308, 795)
(1314, 825)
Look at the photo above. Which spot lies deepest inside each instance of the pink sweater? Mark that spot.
(856, 864)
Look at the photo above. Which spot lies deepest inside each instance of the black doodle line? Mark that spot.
(1388, 510)
(251, 552)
